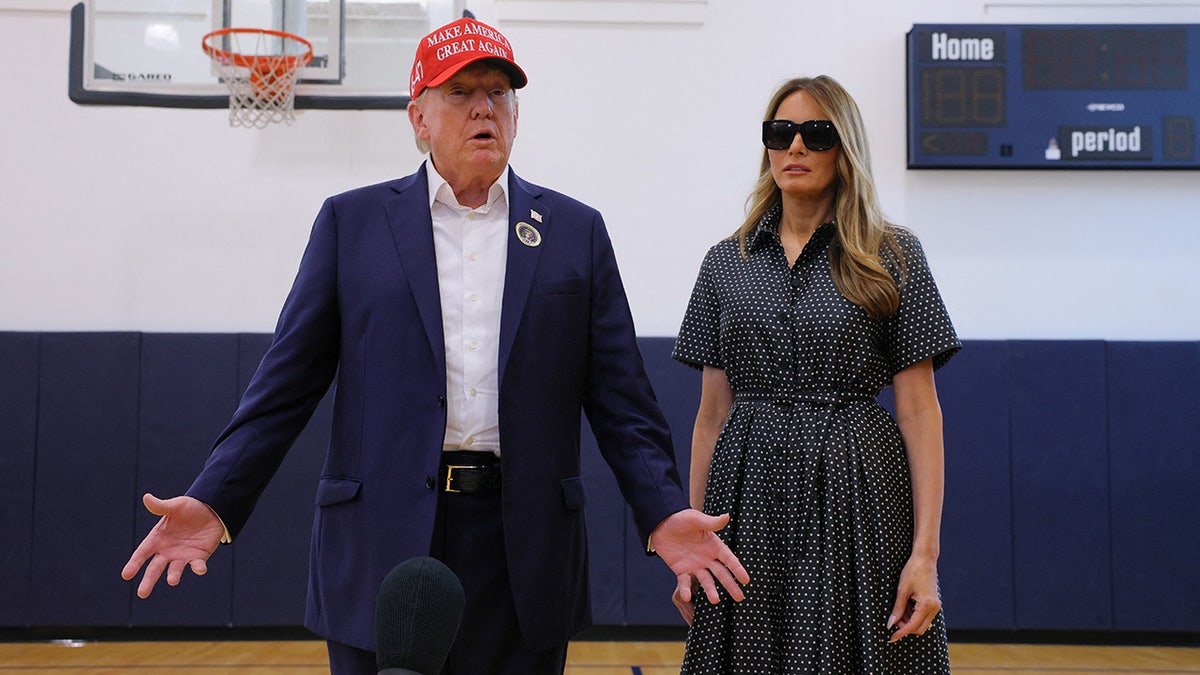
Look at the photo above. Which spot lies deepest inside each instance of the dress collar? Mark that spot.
(767, 230)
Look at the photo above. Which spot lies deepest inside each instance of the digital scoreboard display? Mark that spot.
(1053, 96)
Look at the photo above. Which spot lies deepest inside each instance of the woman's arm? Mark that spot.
(716, 397)
(919, 417)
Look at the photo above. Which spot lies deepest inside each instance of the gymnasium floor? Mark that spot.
(307, 657)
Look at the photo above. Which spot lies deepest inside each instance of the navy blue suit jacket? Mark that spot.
(365, 307)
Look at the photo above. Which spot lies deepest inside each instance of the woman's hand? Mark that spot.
(685, 587)
(917, 600)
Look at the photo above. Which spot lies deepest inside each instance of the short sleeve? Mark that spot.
(698, 342)
(921, 328)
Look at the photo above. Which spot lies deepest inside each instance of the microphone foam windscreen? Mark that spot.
(417, 614)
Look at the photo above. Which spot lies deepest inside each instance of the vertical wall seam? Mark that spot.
(33, 476)
(238, 351)
(137, 468)
(1108, 493)
(1012, 490)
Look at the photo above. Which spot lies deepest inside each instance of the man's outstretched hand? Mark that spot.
(688, 543)
(187, 534)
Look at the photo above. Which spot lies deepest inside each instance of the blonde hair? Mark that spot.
(864, 237)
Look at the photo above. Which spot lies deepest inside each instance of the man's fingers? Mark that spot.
(155, 505)
(154, 570)
(728, 560)
(144, 552)
(175, 572)
(709, 586)
(683, 587)
(131, 568)
(727, 557)
(135, 563)
(692, 518)
(177, 567)
(718, 523)
(727, 580)
(735, 566)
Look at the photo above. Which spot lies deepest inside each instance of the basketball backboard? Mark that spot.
(147, 52)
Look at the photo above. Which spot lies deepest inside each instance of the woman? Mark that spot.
(798, 321)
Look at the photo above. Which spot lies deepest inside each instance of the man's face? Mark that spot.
(469, 122)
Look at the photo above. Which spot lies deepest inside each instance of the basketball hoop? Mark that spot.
(260, 67)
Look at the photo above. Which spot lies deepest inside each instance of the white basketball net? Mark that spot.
(266, 92)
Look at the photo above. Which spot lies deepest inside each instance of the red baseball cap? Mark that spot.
(457, 45)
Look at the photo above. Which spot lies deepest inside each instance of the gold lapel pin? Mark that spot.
(528, 234)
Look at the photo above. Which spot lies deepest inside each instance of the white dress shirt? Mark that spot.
(471, 246)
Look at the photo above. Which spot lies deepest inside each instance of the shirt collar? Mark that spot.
(440, 191)
(768, 229)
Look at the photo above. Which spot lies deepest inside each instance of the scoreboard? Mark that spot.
(1053, 96)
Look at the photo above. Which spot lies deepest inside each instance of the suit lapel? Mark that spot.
(412, 231)
(522, 259)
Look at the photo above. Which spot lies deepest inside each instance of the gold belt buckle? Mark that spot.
(450, 475)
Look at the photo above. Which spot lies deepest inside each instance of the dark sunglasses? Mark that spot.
(817, 135)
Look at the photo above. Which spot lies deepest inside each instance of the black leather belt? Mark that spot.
(470, 472)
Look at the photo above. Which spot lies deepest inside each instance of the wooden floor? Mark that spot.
(584, 658)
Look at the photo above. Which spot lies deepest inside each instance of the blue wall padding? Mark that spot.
(85, 480)
(649, 583)
(1072, 480)
(606, 524)
(976, 565)
(1060, 485)
(1154, 434)
(184, 403)
(18, 444)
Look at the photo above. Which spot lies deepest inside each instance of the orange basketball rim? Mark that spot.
(260, 67)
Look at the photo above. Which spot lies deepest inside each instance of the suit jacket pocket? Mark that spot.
(572, 286)
(573, 496)
(332, 491)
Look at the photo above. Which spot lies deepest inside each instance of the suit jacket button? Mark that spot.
(429, 484)
(441, 401)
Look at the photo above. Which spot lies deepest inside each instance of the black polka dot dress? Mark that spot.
(811, 468)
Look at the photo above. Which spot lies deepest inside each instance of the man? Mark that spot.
(469, 317)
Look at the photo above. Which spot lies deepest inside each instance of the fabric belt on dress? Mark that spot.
(808, 397)
(469, 472)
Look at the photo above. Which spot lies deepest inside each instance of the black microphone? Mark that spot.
(417, 613)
